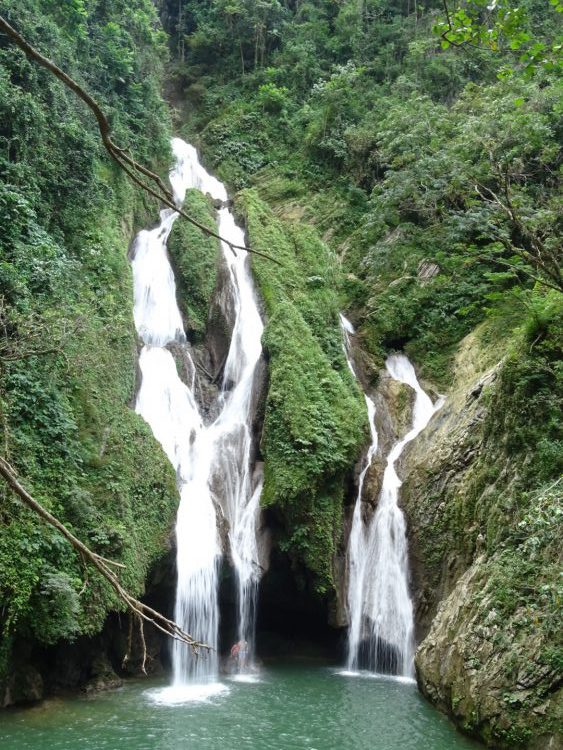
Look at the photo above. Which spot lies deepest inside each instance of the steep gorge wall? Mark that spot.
(68, 348)
(483, 501)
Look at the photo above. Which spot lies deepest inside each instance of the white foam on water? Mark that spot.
(248, 679)
(366, 675)
(176, 695)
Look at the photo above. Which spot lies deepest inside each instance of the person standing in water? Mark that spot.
(239, 654)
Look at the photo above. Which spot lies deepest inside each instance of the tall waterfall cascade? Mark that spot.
(381, 630)
(205, 457)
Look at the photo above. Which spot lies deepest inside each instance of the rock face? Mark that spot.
(24, 685)
(488, 636)
(92, 664)
(464, 667)
(438, 471)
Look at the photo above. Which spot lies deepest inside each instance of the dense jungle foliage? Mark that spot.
(405, 155)
(67, 340)
(404, 171)
(426, 153)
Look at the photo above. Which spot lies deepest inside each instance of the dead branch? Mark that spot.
(138, 608)
(143, 645)
(127, 163)
(129, 642)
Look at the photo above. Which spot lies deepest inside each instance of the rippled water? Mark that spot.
(290, 708)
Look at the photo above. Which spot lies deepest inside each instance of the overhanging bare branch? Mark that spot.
(138, 608)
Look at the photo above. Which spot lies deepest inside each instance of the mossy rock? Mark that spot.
(315, 420)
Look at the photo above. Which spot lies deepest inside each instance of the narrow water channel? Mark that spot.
(290, 707)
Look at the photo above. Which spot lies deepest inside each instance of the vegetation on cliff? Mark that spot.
(394, 174)
(407, 155)
(68, 348)
(195, 257)
(314, 423)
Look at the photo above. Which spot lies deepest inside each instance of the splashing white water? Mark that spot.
(217, 456)
(232, 431)
(380, 635)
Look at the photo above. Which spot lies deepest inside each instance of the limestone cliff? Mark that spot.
(484, 511)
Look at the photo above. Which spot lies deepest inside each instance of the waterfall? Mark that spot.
(232, 434)
(381, 632)
(357, 542)
(213, 463)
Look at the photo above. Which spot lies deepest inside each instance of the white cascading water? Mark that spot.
(204, 457)
(357, 542)
(232, 433)
(381, 631)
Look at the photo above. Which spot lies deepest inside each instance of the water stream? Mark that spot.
(381, 631)
(213, 463)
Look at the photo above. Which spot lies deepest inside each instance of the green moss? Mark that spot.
(83, 452)
(195, 258)
(315, 421)
(67, 422)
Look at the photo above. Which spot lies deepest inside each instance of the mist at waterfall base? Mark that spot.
(381, 630)
(203, 456)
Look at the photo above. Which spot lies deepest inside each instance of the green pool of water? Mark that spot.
(289, 708)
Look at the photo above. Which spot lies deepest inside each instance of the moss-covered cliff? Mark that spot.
(67, 342)
(314, 425)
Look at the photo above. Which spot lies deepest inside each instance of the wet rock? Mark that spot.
(401, 400)
(436, 468)
(24, 685)
(463, 668)
(220, 322)
(103, 677)
(338, 608)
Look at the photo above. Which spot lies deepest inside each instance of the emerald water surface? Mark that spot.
(290, 708)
